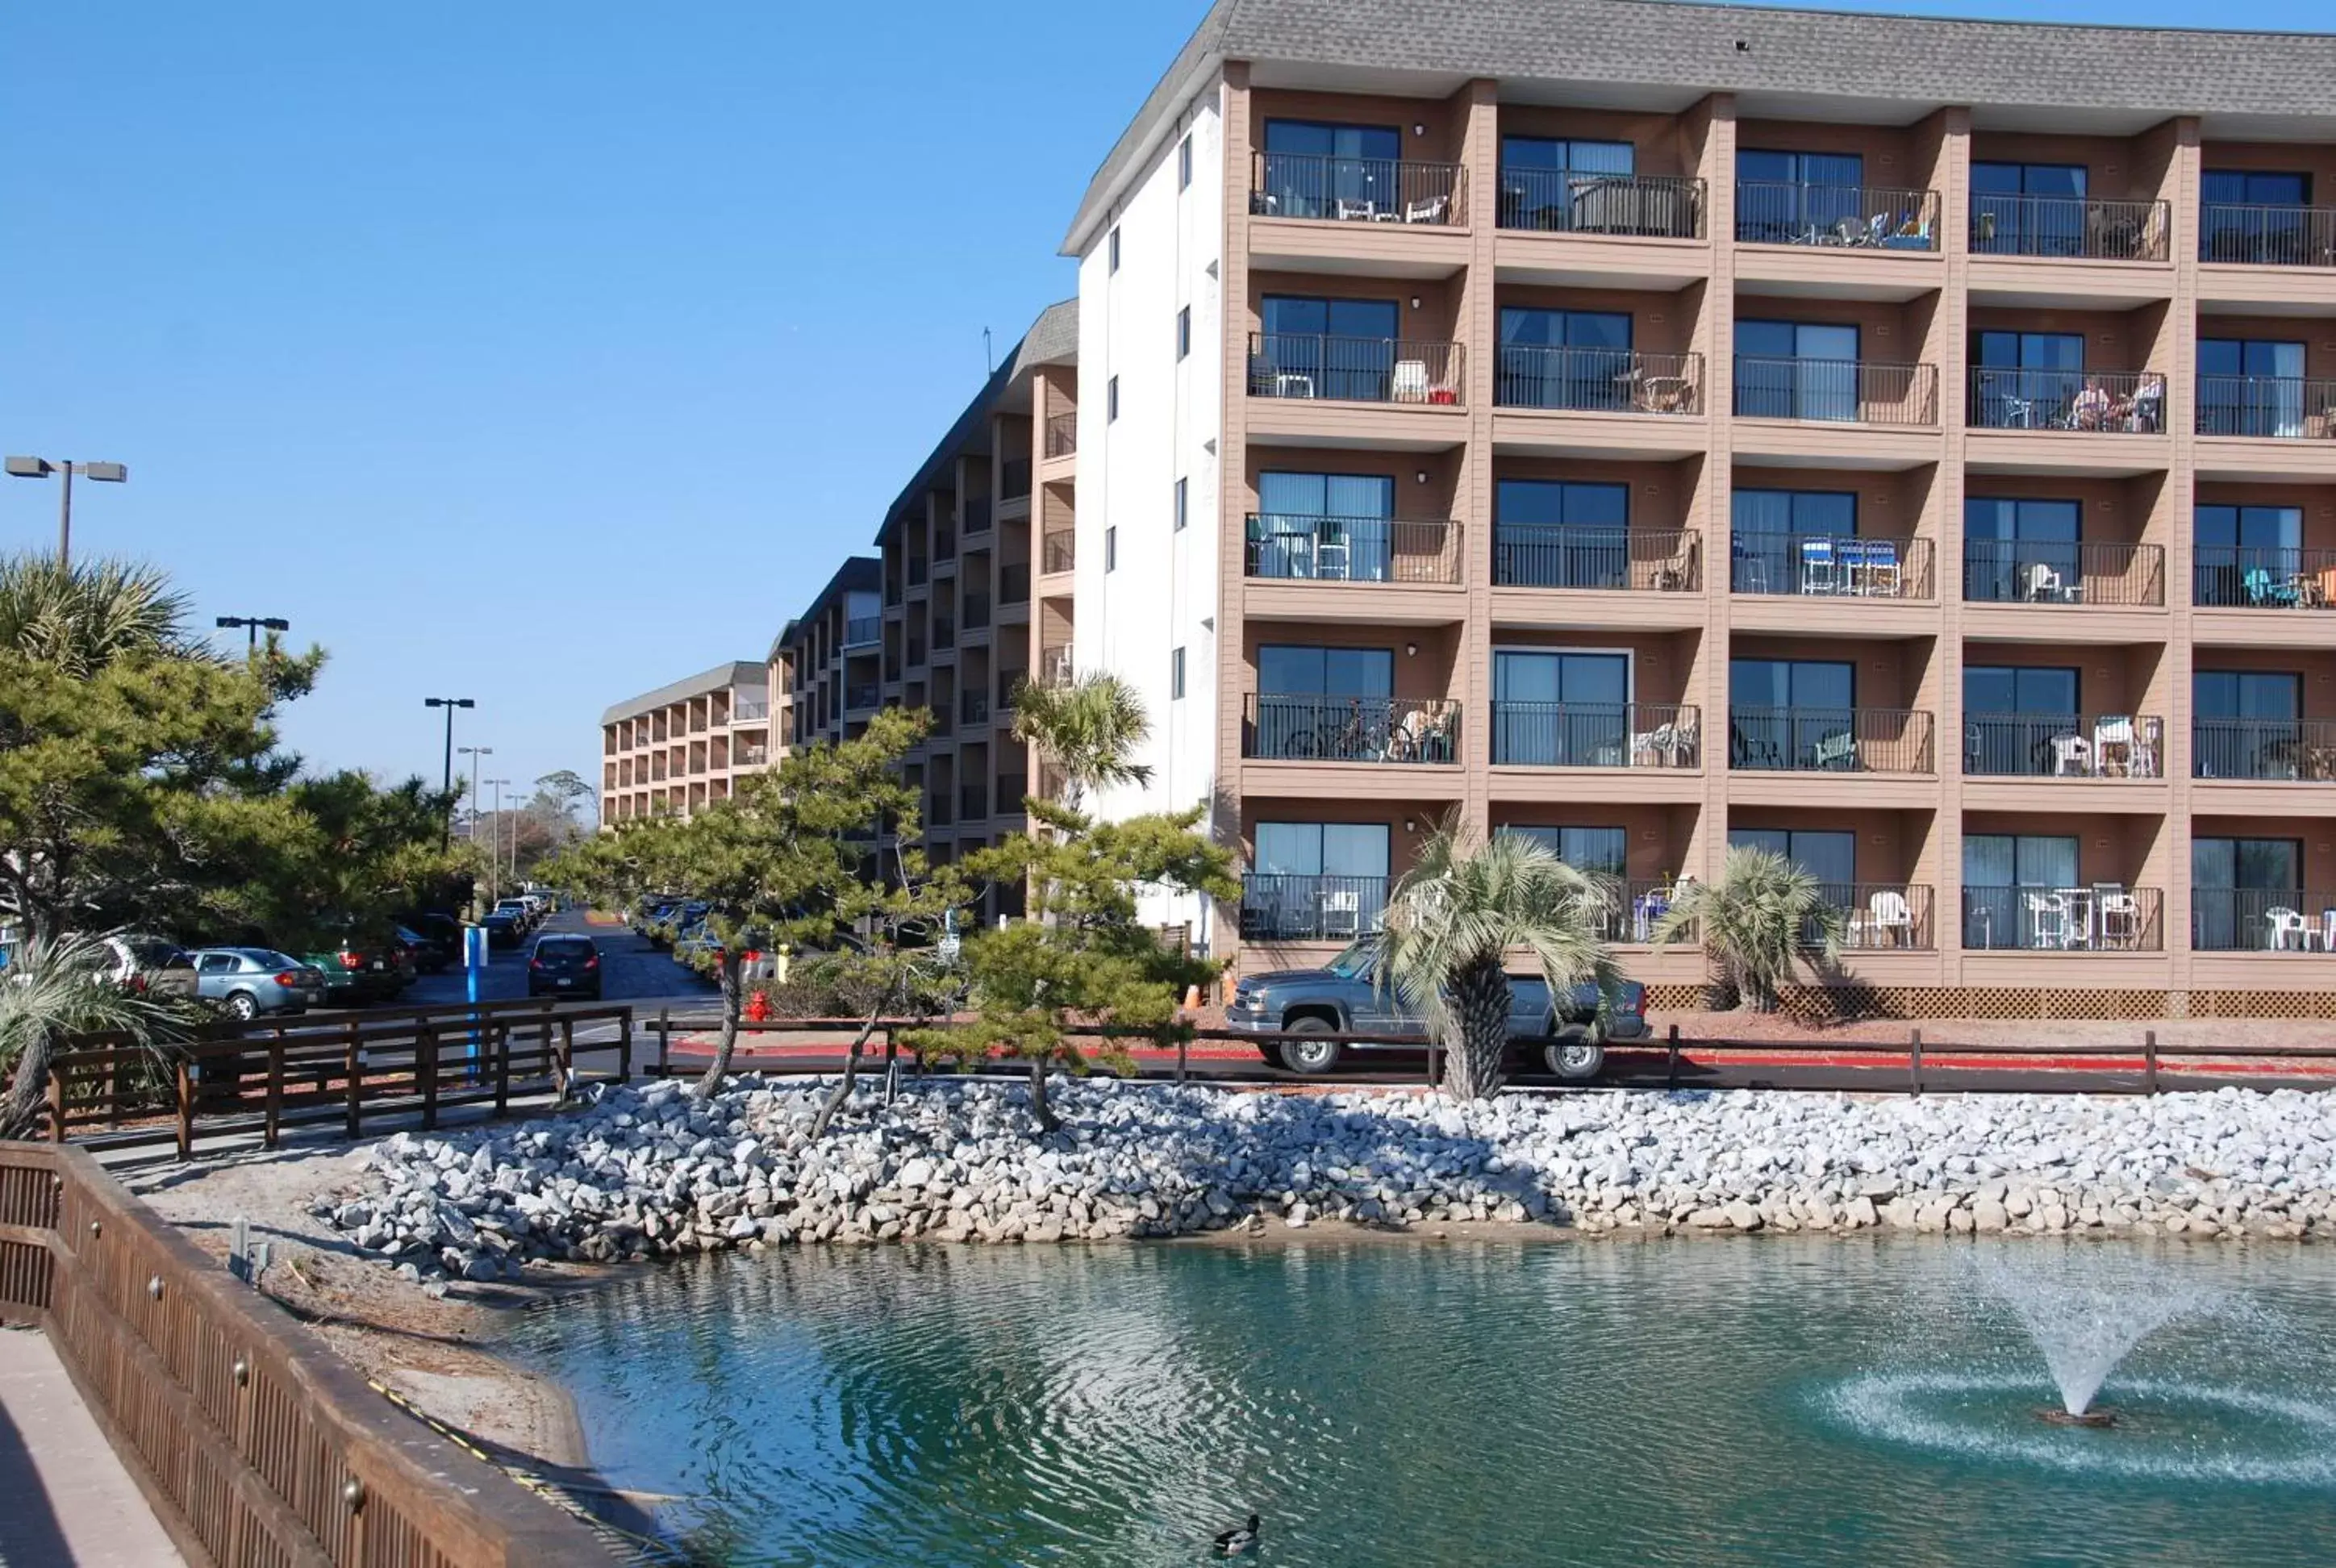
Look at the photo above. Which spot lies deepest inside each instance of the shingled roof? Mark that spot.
(1053, 339)
(721, 678)
(1746, 50)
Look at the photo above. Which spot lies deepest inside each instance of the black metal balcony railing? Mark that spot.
(916, 570)
(1308, 727)
(1563, 555)
(1058, 550)
(1055, 666)
(2063, 745)
(972, 802)
(863, 695)
(1830, 739)
(2272, 749)
(1310, 364)
(2120, 403)
(1062, 435)
(2239, 576)
(891, 590)
(2077, 226)
(2102, 917)
(2269, 407)
(2262, 921)
(973, 707)
(1880, 916)
(2063, 571)
(1831, 566)
(1635, 905)
(977, 514)
(1356, 189)
(863, 630)
(1587, 201)
(1303, 909)
(1642, 734)
(891, 667)
(1847, 391)
(1292, 546)
(1598, 380)
(1014, 582)
(977, 611)
(2267, 236)
(1779, 213)
(1013, 479)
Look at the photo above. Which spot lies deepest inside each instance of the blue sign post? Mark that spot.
(474, 964)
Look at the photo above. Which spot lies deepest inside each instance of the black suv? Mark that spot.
(1341, 998)
(564, 964)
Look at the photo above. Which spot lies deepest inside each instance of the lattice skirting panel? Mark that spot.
(1834, 1004)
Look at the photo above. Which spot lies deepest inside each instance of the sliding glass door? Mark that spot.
(1335, 526)
(1560, 709)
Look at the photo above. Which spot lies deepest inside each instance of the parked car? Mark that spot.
(250, 981)
(156, 966)
(503, 929)
(428, 954)
(675, 923)
(1341, 998)
(565, 964)
(517, 910)
(359, 971)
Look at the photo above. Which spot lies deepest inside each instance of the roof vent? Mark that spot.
(1742, 47)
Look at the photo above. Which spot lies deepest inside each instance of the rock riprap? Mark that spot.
(648, 1171)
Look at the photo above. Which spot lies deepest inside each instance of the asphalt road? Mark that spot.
(631, 972)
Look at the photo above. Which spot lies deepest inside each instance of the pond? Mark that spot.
(1812, 1400)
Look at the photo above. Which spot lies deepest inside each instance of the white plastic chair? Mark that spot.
(1887, 911)
(2043, 582)
(2286, 923)
(1431, 211)
(1363, 212)
(2120, 917)
(2047, 919)
(2114, 736)
(1342, 913)
(1290, 384)
(2072, 756)
(1410, 381)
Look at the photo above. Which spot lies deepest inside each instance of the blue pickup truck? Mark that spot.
(1316, 1006)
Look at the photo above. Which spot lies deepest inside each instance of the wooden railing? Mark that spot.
(252, 1443)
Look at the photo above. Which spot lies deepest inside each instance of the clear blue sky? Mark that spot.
(544, 353)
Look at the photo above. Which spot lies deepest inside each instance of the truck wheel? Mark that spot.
(1312, 1058)
(1574, 1058)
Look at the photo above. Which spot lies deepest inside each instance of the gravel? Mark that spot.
(648, 1171)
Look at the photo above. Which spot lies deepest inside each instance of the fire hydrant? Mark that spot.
(758, 1007)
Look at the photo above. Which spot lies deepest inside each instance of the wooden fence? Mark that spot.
(253, 1446)
(263, 1078)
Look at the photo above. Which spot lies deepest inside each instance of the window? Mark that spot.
(1561, 533)
(1795, 713)
(1792, 197)
(1998, 871)
(1605, 851)
(1176, 674)
(1181, 502)
(1111, 400)
(1560, 709)
(1563, 359)
(1326, 703)
(1554, 183)
(2254, 216)
(2246, 724)
(1111, 549)
(1314, 168)
(2026, 380)
(1827, 854)
(2248, 556)
(1768, 526)
(2251, 386)
(1114, 248)
(1333, 526)
(2237, 884)
(1183, 332)
(1796, 370)
(1321, 348)
(2016, 551)
(2013, 715)
(1184, 163)
(2029, 208)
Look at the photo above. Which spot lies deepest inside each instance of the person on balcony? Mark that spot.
(2093, 406)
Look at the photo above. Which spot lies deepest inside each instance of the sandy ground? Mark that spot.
(436, 1351)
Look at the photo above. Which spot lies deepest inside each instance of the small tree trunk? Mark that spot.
(1476, 1045)
(1048, 1121)
(711, 1084)
(28, 1092)
(841, 1094)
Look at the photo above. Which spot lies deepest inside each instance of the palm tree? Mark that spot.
(83, 617)
(49, 990)
(1085, 730)
(1755, 921)
(1451, 922)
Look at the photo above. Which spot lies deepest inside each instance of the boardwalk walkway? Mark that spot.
(69, 1502)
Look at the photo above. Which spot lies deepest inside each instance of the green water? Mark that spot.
(1817, 1401)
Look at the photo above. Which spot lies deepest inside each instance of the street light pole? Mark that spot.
(495, 842)
(474, 753)
(42, 468)
(253, 623)
(446, 778)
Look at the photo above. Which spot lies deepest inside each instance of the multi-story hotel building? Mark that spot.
(823, 665)
(681, 745)
(1909, 444)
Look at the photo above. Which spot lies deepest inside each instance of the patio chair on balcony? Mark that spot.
(1342, 913)
(2072, 756)
(1887, 911)
(1817, 573)
(1410, 381)
(1358, 212)
(2285, 922)
(1430, 209)
(2047, 919)
(2121, 918)
(2044, 583)
(1836, 752)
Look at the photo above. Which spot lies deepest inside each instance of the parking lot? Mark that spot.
(631, 970)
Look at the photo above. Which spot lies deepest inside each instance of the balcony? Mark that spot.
(977, 611)
(861, 695)
(2063, 571)
(1276, 727)
(1356, 190)
(2063, 745)
(2267, 749)
(1058, 550)
(973, 707)
(1309, 908)
(972, 802)
(2262, 921)
(2105, 917)
(1013, 789)
(2267, 407)
(1055, 667)
(1842, 391)
(1009, 681)
(1641, 735)
(1557, 555)
(1062, 436)
(1587, 201)
(1882, 917)
(916, 570)
(1013, 479)
(2093, 402)
(1884, 740)
(1839, 216)
(1370, 550)
(750, 712)
(2068, 227)
(2252, 236)
(750, 757)
(916, 653)
(1831, 566)
(1014, 582)
(1599, 380)
(944, 543)
(977, 514)
(1304, 365)
(2236, 577)
(863, 631)
(937, 811)
(944, 632)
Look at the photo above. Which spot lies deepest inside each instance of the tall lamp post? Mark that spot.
(255, 623)
(495, 842)
(474, 753)
(42, 468)
(446, 779)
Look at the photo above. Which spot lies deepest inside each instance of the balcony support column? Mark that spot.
(1942, 860)
(1478, 320)
(1712, 507)
(2170, 867)
(1226, 808)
